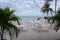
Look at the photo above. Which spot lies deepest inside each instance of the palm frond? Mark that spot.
(48, 0)
(17, 30)
(6, 15)
(14, 18)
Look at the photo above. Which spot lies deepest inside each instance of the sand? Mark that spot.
(34, 35)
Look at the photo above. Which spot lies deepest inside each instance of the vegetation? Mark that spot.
(46, 7)
(53, 19)
(6, 18)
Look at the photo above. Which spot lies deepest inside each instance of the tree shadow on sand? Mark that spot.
(58, 39)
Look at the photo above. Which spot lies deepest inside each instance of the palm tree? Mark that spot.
(46, 8)
(6, 18)
(55, 20)
(48, 0)
(47, 5)
(55, 5)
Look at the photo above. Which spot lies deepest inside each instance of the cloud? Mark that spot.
(53, 4)
(4, 0)
(25, 7)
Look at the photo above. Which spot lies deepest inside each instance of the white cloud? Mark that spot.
(4, 0)
(13, 0)
(26, 7)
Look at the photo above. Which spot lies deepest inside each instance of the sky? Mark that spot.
(26, 8)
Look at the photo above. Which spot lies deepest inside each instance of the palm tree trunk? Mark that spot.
(55, 5)
(47, 13)
(51, 13)
(2, 31)
(2, 36)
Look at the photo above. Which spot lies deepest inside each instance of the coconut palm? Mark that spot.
(46, 8)
(55, 5)
(6, 18)
(48, 0)
(55, 20)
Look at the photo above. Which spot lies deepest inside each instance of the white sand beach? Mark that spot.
(34, 35)
(29, 34)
